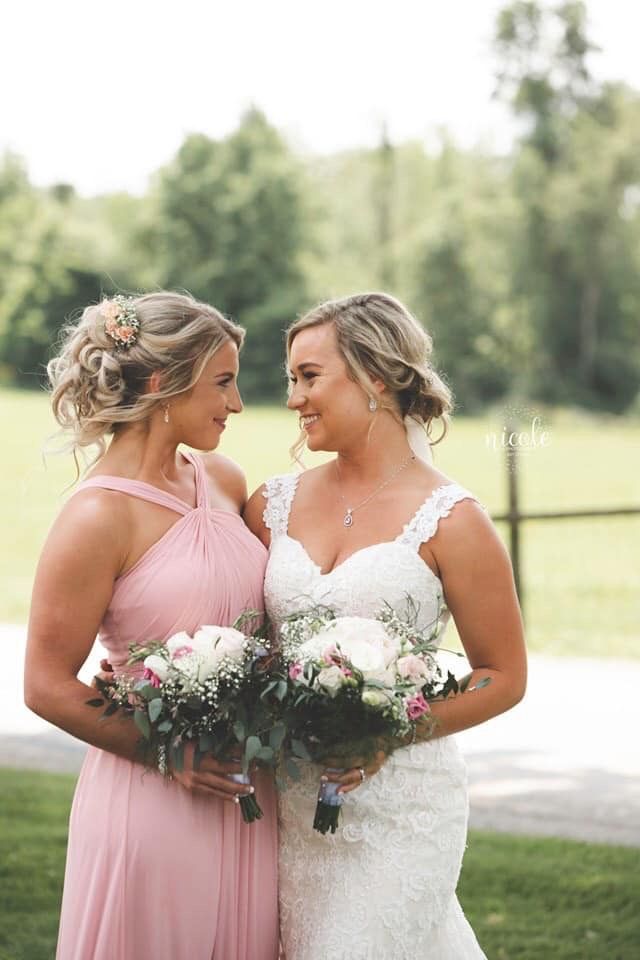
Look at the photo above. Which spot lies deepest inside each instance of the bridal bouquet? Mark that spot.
(368, 678)
(203, 690)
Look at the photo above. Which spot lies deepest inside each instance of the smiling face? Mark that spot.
(199, 415)
(333, 408)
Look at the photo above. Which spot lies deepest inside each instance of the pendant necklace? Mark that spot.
(348, 517)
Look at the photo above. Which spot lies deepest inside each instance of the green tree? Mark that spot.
(231, 229)
(39, 287)
(578, 160)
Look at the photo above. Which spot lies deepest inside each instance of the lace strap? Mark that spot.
(279, 493)
(438, 504)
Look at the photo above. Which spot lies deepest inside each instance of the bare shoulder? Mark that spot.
(467, 538)
(227, 476)
(94, 511)
(92, 528)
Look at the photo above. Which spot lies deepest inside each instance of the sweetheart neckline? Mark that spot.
(370, 546)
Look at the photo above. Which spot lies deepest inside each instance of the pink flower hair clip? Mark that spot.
(120, 320)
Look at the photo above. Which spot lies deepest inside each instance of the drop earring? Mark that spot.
(373, 405)
(166, 413)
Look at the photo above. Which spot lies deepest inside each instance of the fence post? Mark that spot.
(514, 511)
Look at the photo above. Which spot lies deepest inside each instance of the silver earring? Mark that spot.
(166, 413)
(373, 405)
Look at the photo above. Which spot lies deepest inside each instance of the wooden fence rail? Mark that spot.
(514, 517)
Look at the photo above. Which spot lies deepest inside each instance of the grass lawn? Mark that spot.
(527, 899)
(582, 577)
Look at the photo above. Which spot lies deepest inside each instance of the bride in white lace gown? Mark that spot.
(375, 525)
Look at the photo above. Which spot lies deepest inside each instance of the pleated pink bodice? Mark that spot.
(207, 568)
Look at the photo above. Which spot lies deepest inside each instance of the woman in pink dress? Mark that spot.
(150, 544)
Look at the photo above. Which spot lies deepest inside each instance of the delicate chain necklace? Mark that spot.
(348, 517)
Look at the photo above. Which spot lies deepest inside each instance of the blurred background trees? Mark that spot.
(525, 267)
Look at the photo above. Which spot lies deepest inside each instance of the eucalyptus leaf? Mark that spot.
(155, 709)
(252, 748)
(292, 769)
(277, 735)
(281, 689)
(142, 723)
(300, 750)
(239, 730)
(177, 757)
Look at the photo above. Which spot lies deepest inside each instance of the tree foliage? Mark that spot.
(524, 267)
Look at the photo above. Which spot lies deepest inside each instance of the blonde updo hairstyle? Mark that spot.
(380, 339)
(97, 387)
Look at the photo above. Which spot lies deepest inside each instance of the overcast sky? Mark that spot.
(102, 94)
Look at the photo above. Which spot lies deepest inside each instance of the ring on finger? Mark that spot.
(363, 775)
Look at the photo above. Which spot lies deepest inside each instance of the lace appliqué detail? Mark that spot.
(279, 493)
(424, 523)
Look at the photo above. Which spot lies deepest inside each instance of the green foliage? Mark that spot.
(525, 268)
(575, 267)
(231, 229)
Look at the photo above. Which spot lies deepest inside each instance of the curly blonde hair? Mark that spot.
(97, 388)
(380, 339)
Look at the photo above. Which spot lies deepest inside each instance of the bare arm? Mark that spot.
(478, 583)
(81, 560)
(253, 516)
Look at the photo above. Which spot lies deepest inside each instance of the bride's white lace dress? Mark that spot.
(383, 887)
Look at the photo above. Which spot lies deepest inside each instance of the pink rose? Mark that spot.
(331, 656)
(414, 669)
(295, 670)
(152, 677)
(181, 652)
(417, 706)
(110, 310)
(124, 333)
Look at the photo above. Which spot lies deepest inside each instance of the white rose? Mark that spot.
(212, 644)
(330, 679)
(413, 669)
(157, 665)
(229, 642)
(314, 647)
(177, 641)
(187, 666)
(385, 677)
(360, 630)
(374, 698)
(392, 646)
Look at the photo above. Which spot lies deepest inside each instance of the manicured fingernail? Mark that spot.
(252, 789)
(323, 778)
(236, 799)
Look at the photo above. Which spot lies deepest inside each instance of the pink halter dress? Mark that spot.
(153, 870)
